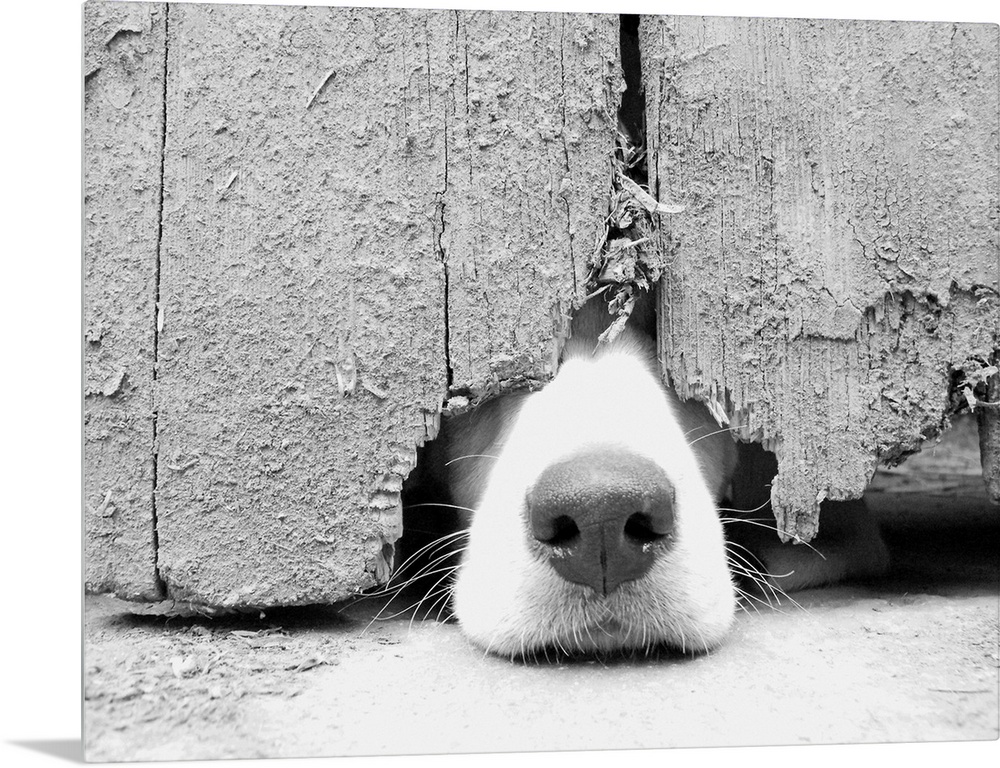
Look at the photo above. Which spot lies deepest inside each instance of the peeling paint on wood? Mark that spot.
(297, 259)
(343, 187)
(839, 253)
(531, 124)
(124, 50)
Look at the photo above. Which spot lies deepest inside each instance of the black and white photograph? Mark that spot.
(485, 380)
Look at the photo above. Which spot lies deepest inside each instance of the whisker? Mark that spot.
(765, 600)
(751, 571)
(710, 434)
(391, 594)
(434, 595)
(403, 611)
(744, 606)
(428, 549)
(435, 544)
(471, 456)
(431, 567)
(747, 563)
(446, 594)
(439, 504)
(740, 546)
(797, 541)
(765, 582)
(758, 508)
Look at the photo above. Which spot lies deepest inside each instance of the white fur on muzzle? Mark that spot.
(508, 597)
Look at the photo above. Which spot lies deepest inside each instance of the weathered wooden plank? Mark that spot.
(836, 269)
(531, 125)
(124, 55)
(302, 346)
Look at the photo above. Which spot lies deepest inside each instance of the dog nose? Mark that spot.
(603, 516)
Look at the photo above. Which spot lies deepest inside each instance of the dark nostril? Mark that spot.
(564, 532)
(640, 528)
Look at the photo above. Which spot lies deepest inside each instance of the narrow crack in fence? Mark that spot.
(567, 182)
(161, 584)
(622, 263)
(440, 203)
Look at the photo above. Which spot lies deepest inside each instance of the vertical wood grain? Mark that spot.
(124, 57)
(837, 263)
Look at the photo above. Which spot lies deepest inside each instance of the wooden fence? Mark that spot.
(306, 227)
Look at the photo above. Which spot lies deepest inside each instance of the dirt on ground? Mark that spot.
(166, 679)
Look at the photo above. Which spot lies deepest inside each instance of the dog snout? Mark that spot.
(603, 517)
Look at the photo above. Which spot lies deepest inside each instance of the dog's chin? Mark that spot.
(605, 627)
(520, 608)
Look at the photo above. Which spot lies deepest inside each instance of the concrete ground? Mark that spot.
(913, 657)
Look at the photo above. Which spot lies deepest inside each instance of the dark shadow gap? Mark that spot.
(161, 585)
(632, 112)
